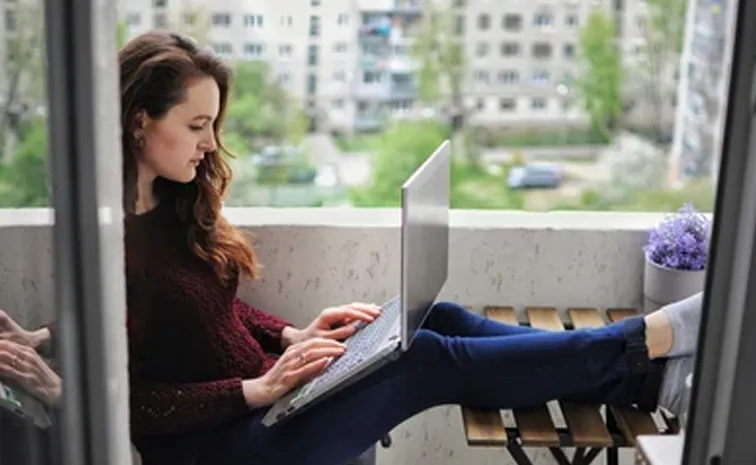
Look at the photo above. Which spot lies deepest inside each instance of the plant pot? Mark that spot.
(662, 285)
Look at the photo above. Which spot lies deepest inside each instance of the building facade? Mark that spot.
(350, 62)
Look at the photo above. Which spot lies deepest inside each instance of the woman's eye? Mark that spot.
(196, 128)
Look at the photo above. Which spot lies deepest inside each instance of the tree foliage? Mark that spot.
(600, 81)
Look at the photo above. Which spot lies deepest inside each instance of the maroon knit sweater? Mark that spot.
(191, 340)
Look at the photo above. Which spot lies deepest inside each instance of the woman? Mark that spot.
(205, 366)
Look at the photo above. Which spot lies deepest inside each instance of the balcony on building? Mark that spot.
(315, 258)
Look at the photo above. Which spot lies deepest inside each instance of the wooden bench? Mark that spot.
(588, 428)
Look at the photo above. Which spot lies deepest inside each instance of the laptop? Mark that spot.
(22, 404)
(423, 273)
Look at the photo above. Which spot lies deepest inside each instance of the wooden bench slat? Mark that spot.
(484, 427)
(584, 421)
(631, 421)
(535, 423)
(618, 314)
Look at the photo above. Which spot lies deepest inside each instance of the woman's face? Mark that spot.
(175, 145)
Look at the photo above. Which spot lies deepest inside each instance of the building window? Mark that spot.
(540, 77)
(160, 3)
(510, 49)
(312, 55)
(314, 26)
(509, 77)
(314, 2)
(339, 76)
(285, 50)
(159, 20)
(482, 77)
(571, 21)
(481, 49)
(221, 20)
(538, 103)
(337, 104)
(543, 20)
(569, 50)
(132, 19)
(371, 77)
(484, 22)
(342, 19)
(223, 48)
(542, 50)
(459, 25)
(511, 22)
(253, 50)
(507, 104)
(312, 84)
(252, 20)
(287, 21)
(340, 47)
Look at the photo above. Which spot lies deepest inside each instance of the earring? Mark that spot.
(139, 140)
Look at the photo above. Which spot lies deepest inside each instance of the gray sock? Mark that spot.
(685, 317)
(673, 383)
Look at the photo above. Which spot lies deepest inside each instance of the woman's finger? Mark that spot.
(341, 332)
(310, 370)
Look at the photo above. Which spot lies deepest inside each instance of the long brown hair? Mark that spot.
(155, 68)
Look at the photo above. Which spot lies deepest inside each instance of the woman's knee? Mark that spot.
(446, 310)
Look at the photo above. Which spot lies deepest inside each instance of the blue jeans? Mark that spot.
(457, 358)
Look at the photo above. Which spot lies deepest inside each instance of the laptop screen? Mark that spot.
(425, 239)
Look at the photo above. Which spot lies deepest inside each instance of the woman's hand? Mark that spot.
(338, 323)
(299, 363)
(12, 331)
(22, 365)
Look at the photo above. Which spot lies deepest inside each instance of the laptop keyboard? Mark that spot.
(360, 346)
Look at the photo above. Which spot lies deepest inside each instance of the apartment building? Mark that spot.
(703, 89)
(349, 62)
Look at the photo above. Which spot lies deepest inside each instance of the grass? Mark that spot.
(476, 188)
(356, 143)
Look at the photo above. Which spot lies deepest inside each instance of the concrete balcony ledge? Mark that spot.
(314, 258)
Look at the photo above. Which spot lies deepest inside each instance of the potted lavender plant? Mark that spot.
(676, 254)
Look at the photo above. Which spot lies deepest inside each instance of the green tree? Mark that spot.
(399, 151)
(193, 19)
(601, 76)
(24, 178)
(24, 73)
(441, 66)
(664, 33)
(260, 111)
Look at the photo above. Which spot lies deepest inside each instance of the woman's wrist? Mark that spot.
(256, 393)
(290, 335)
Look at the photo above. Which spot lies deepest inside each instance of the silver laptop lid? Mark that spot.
(425, 239)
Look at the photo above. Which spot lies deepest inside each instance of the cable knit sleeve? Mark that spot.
(264, 327)
(159, 408)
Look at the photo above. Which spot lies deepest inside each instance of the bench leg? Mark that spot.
(560, 456)
(612, 456)
(591, 456)
(519, 456)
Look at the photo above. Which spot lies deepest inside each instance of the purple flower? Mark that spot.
(680, 241)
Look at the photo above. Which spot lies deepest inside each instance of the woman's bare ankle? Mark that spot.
(659, 335)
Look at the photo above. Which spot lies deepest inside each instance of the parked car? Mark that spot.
(539, 175)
